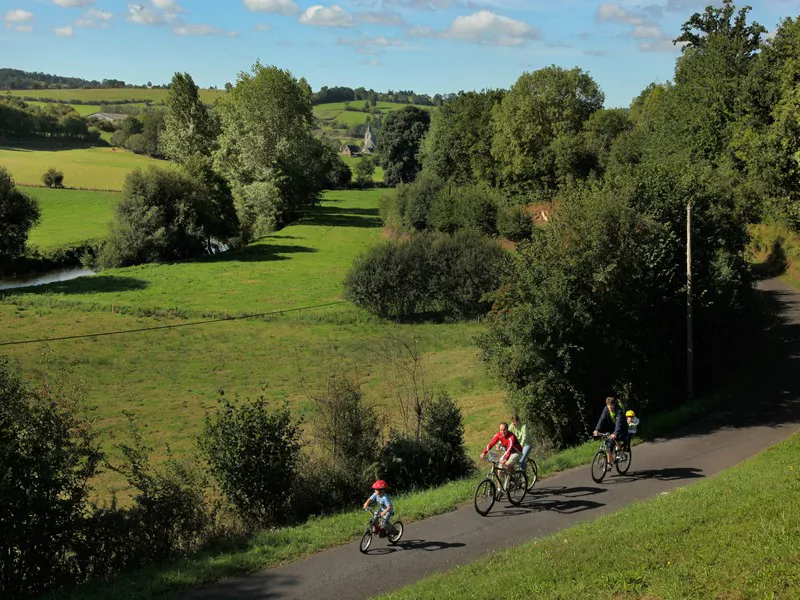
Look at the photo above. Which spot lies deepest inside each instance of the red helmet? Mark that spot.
(380, 485)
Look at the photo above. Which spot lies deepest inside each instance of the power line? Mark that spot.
(173, 326)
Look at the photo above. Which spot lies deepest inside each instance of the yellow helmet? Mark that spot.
(630, 413)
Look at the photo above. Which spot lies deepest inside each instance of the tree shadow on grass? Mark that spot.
(333, 216)
(260, 252)
(84, 285)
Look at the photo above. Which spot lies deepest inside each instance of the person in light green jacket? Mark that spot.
(520, 431)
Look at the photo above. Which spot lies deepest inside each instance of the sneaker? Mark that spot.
(609, 467)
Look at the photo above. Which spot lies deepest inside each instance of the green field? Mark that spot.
(81, 109)
(169, 377)
(335, 111)
(70, 216)
(352, 161)
(102, 168)
(112, 95)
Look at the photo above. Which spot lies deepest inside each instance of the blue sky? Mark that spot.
(429, 46)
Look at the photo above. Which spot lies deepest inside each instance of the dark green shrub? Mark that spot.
(53, 178)
(414, 200)
(48, 454)
(253, 451)
(465, 207)
(20, 212)
(514, 223)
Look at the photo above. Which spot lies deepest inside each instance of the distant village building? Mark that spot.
(350, 150)
(369, 142)
(109, 117)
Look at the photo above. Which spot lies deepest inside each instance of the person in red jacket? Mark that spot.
(512, 448)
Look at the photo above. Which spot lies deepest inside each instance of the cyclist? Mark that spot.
(386, 508)
(512, 449)
(520, 430)
(614, 412)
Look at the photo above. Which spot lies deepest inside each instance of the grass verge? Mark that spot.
(731, 536)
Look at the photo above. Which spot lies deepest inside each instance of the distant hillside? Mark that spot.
(14, 79)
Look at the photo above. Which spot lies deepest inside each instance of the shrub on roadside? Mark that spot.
(254, 452)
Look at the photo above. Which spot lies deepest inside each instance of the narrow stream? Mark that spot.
(43, 278)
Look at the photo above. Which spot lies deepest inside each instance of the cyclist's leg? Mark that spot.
(523, 461)
(511, 463)
(385, 522)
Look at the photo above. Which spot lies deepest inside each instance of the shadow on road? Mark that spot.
(669, 474)
(426, 545)
(560, 499)
(266, 585)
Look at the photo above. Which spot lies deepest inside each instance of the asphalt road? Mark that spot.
(761, 417)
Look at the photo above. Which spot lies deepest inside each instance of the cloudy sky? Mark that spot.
(429, 46)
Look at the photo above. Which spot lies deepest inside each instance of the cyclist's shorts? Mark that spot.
(513, 459)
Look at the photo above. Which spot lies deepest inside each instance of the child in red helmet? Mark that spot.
(386, 508)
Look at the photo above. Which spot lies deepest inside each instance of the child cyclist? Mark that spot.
(386, 508)
(613, 413)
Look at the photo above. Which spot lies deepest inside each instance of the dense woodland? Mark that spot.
(589, 304)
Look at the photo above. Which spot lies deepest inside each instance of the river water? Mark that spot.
(43, 278)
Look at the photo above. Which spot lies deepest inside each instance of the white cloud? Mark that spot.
(370, 63)
(24, 28)
(616, 13)
(17, 15)
(281, 7)
(201, 30)
(63, 31)
(100, 15)
(370, 46)
(380, 17)
(327, 16)
(142, 15)
(170, 5)
(262, 27)
(642, 31)
(94, 18)
(73, 3)
(487, 27)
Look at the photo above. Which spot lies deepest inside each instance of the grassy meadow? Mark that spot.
(100, 167)
(70, 216)
(170, 377)
(335, 111)
(352, 161)
(112, 94)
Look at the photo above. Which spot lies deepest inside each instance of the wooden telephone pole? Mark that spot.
(689, 332)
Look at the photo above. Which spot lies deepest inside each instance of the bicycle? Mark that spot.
(621, 458)
(374, 527)
(488, 491)
(532, 468)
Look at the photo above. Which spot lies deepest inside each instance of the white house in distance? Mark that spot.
(108, 117)
(368, 147)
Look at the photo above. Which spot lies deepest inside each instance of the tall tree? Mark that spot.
(19, 212)
(189, 129)
(401, 136)
(458, 145)
(540, 107)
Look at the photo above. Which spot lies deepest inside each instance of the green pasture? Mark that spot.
(98, 167)
(113, 94)
(81, 109)
(70, 216)
(352, 161)
(335, 111)
(735, 535)
(301, 265)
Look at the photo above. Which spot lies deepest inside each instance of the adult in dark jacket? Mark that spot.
(613, 413)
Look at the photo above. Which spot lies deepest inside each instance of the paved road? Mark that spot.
(766, 414)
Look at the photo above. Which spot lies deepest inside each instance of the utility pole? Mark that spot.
(689, 332)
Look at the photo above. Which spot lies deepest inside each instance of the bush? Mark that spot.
(414, 200)
(426, 272)
(253, 452)
(20, 212)
(514, 223)
(48, 454)
(464, 207)
(136, 143)
(53, 178)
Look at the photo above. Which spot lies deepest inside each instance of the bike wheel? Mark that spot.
(484, 497)
(398, 532)
(533, 473)
(366, 540)
(599, 463)
(624, 466)
(517, 487)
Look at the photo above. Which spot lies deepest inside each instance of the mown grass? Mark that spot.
(302, 265)
(335, 111)
(101, 168)
(113, 94)
(70, 216)
(735, 535)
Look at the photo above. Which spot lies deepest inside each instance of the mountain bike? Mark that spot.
(515, 486)
(531, 472)
(374, 528)
(621, 458)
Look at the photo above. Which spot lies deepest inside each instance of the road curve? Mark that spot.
(761, 417)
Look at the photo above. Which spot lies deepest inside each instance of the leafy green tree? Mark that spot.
(266, 142)
(365, 171)
(459, 143)
(53, 178)
(189, 129)
(19, 213)
(401, 136)
(540, 107)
